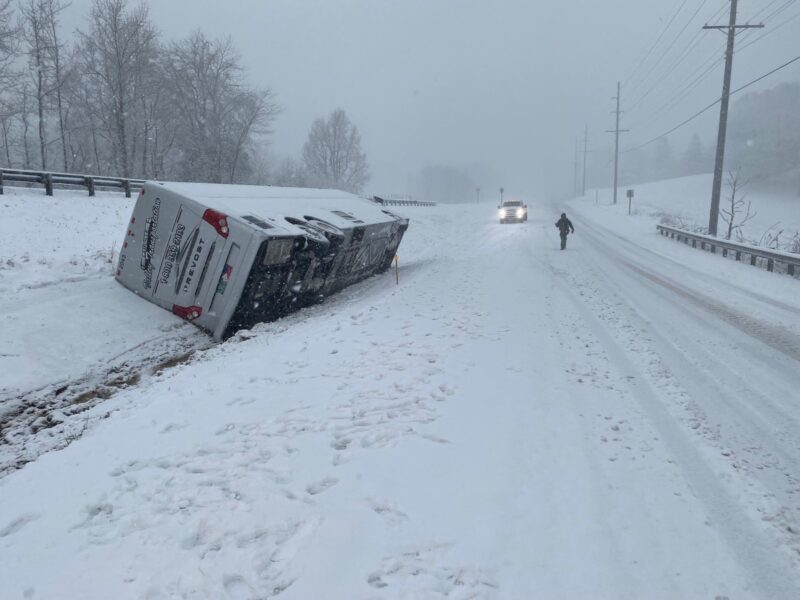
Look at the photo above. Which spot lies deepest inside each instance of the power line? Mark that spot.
(771, 31)
(660, 80)
(712, 105)
(676, 98)
(658, 39)
(697, 77)
(763, 9)
(765, 75)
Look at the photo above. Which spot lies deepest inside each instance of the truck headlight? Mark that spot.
(519, 213)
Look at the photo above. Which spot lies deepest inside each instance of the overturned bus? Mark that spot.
(226, 257)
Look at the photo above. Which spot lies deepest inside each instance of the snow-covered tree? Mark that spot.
(333, 154)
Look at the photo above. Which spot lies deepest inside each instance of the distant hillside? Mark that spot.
(764, 137)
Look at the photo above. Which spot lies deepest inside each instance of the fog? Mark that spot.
(500, 89)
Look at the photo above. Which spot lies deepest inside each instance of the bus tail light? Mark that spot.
(218, 220)
(190, 313)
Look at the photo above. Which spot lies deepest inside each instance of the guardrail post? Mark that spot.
(738, 255)
(770, 264)
(90, 185)
(694, 243)
(713, 249)
(48, 184)
(724, 252)
(126, 183)
(790, 269)
(1, 183)
(753, 260)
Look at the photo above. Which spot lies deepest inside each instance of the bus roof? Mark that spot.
(338, 208)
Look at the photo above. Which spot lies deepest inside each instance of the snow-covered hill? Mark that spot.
(511, 421)
(685, 201)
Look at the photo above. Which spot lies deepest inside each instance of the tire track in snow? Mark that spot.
(731, 412)
(596, 231)
(750, 545)
(781, 417)
(773, 337)
(747, 543)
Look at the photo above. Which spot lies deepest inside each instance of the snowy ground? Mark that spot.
(686, 200)
(511, 421)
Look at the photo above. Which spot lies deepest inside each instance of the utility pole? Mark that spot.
(732, 27)
(575, 171)
(616, 131)
(585, 152)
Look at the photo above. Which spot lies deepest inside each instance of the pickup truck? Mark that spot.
(513, 211)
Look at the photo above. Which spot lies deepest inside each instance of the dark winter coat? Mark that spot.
(565, 225)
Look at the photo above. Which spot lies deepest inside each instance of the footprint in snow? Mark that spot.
(321, 486)
(17, 524)
(236, 587)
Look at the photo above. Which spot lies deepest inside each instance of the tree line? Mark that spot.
(116, 98)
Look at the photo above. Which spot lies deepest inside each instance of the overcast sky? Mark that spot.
(502, 86)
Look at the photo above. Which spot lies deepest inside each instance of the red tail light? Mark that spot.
(218, 221)
(190, 313)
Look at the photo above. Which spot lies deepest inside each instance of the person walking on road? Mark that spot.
(564, 228)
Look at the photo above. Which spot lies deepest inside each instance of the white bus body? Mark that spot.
(228, 256)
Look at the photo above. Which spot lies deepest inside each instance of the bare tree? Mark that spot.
(119, 102)
(119, 46)
(333, 155)
(24, 115)
(8, 42)
(291, 173)
(33, 29)
(8, 52)
(736, 214)
(219, 116)
(794, 244)
(51, 11)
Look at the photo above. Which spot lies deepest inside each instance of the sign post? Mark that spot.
(630, 198)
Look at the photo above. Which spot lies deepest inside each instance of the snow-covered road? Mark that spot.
(511, 421)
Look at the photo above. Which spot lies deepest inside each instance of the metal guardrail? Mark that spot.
(390, 202)
(756, 253)
(49, 180)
